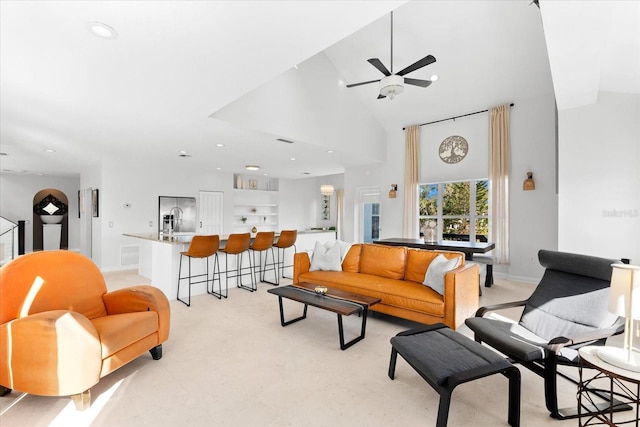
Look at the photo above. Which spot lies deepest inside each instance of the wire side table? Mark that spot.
(623, 386)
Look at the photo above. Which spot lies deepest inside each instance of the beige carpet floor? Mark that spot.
(230, 363)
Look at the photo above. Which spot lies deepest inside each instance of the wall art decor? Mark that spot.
(325, 207)
(453, 149)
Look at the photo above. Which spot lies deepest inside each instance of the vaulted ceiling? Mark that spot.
(189, 75)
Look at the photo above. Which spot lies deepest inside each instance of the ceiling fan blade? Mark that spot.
(417, 82)
(363, 83)
(379, 65)
(381, 96)
(429, 59)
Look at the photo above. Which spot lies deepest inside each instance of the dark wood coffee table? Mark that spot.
(340, 302)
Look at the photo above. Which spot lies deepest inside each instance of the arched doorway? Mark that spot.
(50, 220)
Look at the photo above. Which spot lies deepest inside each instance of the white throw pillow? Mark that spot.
(326, 258)
(436, 271)
(344, 248)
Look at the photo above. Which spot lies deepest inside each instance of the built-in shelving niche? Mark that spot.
(256, 200)
(254, 182)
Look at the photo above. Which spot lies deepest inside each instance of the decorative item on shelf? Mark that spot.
(431, 232)
(254, 210)
(326, 189)
(392, 192)
(239, 181)
(264, 219)
(529, 183)
(254, 230)
(624, 300)
(253, 184)
(243, 219)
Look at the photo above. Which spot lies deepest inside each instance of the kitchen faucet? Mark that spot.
(177, 218)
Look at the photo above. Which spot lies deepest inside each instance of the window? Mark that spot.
(459, 209)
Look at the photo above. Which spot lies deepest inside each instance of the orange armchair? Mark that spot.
(61, 331)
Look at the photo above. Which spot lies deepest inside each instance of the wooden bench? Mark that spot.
(445, 358)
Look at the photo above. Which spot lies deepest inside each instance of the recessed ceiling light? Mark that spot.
(49, 150)
(219, 145)
(292, 158)
(102, 30)
(434, 78)
(329, 151)
(252, 167)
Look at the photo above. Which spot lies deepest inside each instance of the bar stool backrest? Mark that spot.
(203, 246)
(287, 238)
(263, 241)
(237, 243)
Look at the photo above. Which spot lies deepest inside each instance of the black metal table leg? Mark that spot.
(282, 321)
(343, 345)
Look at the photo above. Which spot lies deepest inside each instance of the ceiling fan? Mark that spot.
(393, 84)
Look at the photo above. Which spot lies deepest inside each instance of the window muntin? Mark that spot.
(459, 209)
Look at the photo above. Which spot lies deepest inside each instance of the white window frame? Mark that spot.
(472, 217)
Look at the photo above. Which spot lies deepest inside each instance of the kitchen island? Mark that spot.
(159, 257)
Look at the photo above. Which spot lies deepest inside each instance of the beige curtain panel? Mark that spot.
(410, 226)
(499, 160)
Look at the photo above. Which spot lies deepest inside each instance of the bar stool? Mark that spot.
(238, 244)
(286, 240)
(262, 242)
(201, 247)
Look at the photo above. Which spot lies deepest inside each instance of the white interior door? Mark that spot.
(211, 212)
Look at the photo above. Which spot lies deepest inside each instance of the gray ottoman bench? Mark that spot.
(445, 358)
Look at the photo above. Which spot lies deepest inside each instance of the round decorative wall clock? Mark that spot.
(453, 149)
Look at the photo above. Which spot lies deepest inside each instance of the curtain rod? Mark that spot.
(456, 117)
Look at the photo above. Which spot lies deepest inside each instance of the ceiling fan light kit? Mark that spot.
(393, 84)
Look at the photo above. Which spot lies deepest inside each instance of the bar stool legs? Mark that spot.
(219, 294)
(238, 245)
(262, 271)
(262, 242)
(286, 240)
(201, 247)
(239, 273)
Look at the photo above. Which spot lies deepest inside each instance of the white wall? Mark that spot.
(120, 181)
(125, 181)
(16, 202)
(533, 214)
(599, 210)
(299, 206)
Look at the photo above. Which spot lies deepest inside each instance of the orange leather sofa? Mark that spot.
(395, 275)
(61, 331)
